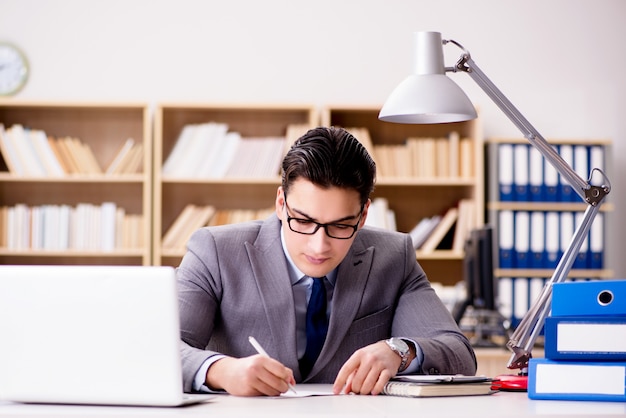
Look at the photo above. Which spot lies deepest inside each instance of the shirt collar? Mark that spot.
(294, 272)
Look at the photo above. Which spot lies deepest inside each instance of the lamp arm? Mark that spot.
(530, 133)
(523, 339)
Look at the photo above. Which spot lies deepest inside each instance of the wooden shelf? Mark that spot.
(230, 181)
(104, 127)
(546, 206)
(574, 273)
(126, 178)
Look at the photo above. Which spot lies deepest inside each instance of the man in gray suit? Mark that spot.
(379, 317)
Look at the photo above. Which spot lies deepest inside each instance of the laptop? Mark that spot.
(101, 335)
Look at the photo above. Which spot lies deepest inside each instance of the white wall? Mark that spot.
(561, 62)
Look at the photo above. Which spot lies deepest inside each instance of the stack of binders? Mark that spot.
(585, 344)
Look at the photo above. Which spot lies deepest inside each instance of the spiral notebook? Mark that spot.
(415, 386)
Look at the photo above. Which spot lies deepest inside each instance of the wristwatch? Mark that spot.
(400, 347)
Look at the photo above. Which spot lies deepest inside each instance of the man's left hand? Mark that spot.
(367, 370)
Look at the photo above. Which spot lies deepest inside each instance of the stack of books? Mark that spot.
(430, 233)
(585, 344)
(450, 157)
(32, 153)
(380, 215)
(211, 151)
(193, 217)
(84, 227)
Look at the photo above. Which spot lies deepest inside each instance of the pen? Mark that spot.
(262, 352)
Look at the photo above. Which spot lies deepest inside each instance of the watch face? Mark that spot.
(399, 345)
(13, 69)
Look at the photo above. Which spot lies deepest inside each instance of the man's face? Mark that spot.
(318, 254)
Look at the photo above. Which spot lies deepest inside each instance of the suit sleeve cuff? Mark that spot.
(199, 379)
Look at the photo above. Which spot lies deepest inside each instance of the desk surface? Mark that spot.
(500, 404)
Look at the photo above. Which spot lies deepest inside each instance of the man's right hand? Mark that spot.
(250, 376)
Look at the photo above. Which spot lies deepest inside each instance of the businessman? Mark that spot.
(330, 301)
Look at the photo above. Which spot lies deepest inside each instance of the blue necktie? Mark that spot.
(316, 326)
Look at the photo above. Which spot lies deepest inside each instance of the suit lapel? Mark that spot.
(272, 279)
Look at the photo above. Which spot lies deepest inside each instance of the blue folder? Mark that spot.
(585, 338)
(596, 297)
(576, 380)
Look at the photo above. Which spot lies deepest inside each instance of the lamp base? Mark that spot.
(511, 383)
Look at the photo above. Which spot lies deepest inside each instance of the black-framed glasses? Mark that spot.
(310, 227)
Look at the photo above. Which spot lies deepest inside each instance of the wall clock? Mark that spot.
(13, 69)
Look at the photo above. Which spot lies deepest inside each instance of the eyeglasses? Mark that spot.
(310, 227)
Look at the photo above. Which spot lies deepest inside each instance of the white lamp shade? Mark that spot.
(428, 95)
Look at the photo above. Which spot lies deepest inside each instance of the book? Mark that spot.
(133, 162)
(423, 229)
(522, 239)
(576, 380)
(465, 224)
(51, 164)
(454, 150)
(506, 238)
(190, 218)
(25, 151)
(520, 172)
(59, 154)
(76, 153)
(89, 161)
(120, 156)
(505, 172)
(65, 155)
(535, 175)
(438, 234)
(585, 337)
(442, 151)
(416, 386)
(378, 213)
(596, 243)
(467, 159)
(566, 151)
(176, 157)
(537, 254)
(9, 153)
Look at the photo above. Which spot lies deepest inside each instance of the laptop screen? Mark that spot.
(89, 334)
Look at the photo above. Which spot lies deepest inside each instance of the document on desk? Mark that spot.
(305, 393)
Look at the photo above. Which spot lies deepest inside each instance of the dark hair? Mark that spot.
(330, 157)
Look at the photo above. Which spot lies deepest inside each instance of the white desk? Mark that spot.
(497, 405)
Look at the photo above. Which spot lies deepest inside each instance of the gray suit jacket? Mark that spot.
(234, 282)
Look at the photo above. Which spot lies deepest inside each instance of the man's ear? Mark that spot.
(365, 211)
(280, 202)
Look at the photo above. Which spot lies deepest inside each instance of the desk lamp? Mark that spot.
(429, 96)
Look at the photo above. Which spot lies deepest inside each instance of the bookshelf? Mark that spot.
(414, 197)
(535, 213)
(257, 193)
(104, 128)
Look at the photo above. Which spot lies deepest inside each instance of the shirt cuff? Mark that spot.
(199, 380)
